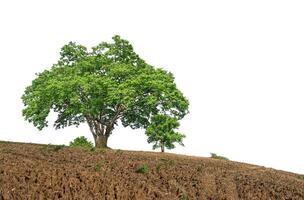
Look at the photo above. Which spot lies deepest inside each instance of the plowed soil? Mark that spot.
(32, 171)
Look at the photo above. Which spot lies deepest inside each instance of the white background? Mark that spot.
(240, 64)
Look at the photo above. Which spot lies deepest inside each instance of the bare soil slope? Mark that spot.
(31, 171)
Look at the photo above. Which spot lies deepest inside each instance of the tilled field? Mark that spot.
(31, 171)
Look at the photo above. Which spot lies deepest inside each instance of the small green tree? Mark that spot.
(161, 132)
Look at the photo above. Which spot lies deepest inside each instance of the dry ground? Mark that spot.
(31, 171)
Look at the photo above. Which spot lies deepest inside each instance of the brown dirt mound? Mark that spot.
(31, 171)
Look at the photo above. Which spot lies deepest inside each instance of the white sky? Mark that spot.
(240, 64)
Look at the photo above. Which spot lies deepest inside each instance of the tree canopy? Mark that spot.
(101, 86)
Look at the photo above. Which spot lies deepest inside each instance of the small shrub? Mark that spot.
(82, 142)
(163, 162)
(215, 156)
(142, 169)
(171, 162)
(168, 161)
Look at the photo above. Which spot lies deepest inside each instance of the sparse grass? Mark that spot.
(168, 161)
(215, 156)
(100, 150)
(53, 148)
(163, 159)
(301, 176)
(183, 197)
(158, 166)
(199, 168)
(119, 152)
(182, 192)
(171, 162)
(98, 166)
(143, 169)
(164, 162)
(5, 151)
(93, 149)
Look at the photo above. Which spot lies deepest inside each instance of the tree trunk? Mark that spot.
(101, 141)
(101, 131)
(162, 147)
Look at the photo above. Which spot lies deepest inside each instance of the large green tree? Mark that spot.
(101, 86)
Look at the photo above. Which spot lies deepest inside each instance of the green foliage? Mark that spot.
(169, 162)
(100, 86)
(199, 168)
(142, 169)
(215, 156)
(301, 176)
(119, 152)
(163, 162)
(98, 166)
(53, 148)
(100, 150)
(183, 196)
(158, 166)
(92, 149)
(161, 132)
(82, 142)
